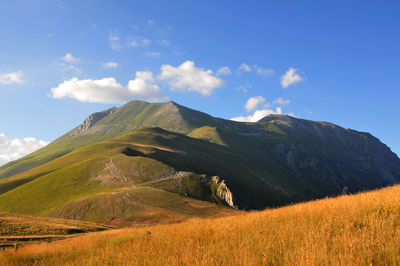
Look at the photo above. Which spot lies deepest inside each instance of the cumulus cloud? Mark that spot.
(10, 78)
(70, 59)
(145, 75)
(187, 77)
(224, 71)
(281, 101)
(253, 102)
(12, 149)
(110, 64)
(143, 87)
(257, 115)
(108, 90)
(114, 42)
(290, 78)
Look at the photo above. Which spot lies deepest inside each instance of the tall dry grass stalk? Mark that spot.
(360, 229)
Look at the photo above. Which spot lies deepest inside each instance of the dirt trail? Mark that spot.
(115, 172)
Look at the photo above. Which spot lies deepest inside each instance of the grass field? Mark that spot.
(17, 230)
(361, 229)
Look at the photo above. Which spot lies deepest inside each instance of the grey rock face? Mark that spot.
(223, 192)
(91, 121)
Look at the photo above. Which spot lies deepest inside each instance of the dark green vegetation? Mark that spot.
(151, 163)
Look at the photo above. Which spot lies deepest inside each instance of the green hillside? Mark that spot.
(114, 166)
(113, 182)
(112, 123)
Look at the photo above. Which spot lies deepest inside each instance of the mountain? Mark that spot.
(147, 163)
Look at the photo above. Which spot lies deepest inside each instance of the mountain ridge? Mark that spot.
(276, 161)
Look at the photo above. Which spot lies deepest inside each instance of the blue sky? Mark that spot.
(60, 61)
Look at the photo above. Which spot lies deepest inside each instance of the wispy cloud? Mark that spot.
(10, 78)
(224, 71)
(245, 67)
(70, 59)
(152, 54)
(110, 64)
(164, 42)
(137, 42)
(281, 101)
(265, 72)
(114, 42)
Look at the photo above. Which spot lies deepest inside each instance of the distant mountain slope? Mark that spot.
(168, 148)
(112, 123)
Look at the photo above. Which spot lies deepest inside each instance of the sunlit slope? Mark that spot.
(114, 182)
(362, 229)
(23, 225)
(274, 162)
(111, 123)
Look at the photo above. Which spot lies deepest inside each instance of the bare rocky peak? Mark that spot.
(91, 121)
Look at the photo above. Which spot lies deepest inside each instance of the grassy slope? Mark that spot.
(129, 117)
(80, 185)
(23, 225)
(362, 229)
(278, 161)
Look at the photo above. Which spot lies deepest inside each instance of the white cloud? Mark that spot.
(153, 54)
(114, 42)
(108, 90)
(10, 78)
(15, 148)
(145, 75)
(70, 59)
(150, 22)
(224, 71)
(290, 78)
(245, 67)
(187, 77)
(281, 101)
(253, 102)
(257, 115)
(144, 88)
(110, 64)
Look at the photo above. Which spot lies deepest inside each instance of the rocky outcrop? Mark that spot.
(91, 121)
(223, 192)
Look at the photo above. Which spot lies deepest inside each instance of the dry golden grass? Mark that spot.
(362, 229)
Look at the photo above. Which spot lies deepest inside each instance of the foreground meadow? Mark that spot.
(349, 230)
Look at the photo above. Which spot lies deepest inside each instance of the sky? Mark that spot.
(60, 61)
